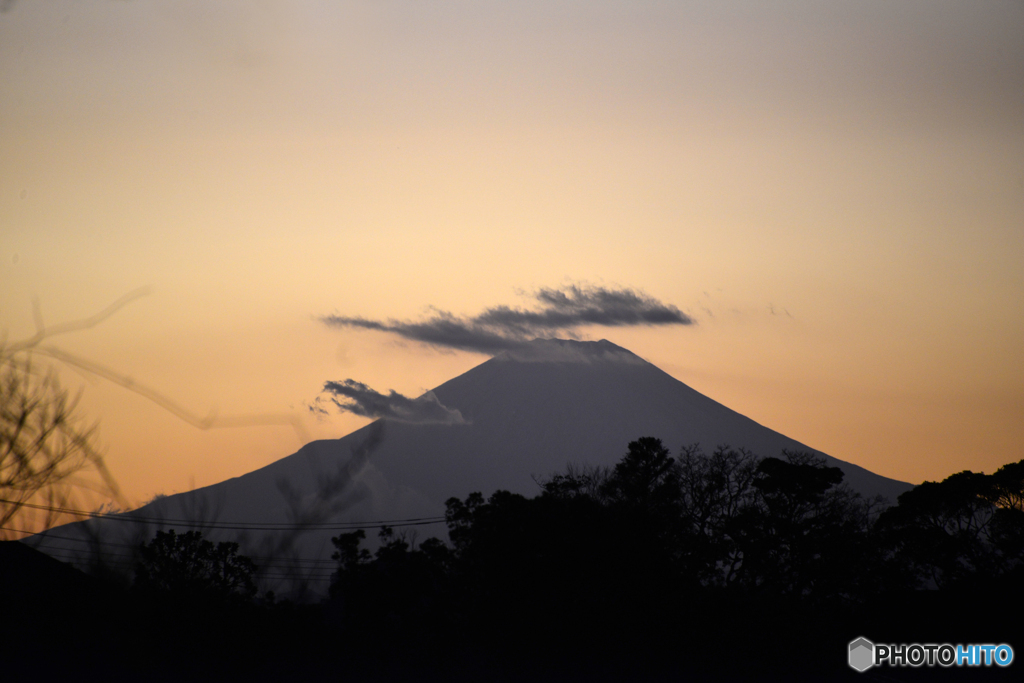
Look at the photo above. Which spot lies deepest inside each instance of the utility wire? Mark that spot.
(238, 526)
(281, 570)
(97, 548)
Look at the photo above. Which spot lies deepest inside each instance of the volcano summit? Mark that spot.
(520, 416)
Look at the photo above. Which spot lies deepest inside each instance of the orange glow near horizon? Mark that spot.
(832, 190)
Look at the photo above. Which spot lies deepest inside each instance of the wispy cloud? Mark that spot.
(357, 398)
(560, 312)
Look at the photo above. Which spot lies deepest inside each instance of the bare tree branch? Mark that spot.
(44, 445)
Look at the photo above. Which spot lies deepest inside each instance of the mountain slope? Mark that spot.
(527, 414)
(585, 404)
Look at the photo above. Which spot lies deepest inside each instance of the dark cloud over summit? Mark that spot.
(562, 312)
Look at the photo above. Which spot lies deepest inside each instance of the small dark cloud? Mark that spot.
(357, 398)
(560, 312)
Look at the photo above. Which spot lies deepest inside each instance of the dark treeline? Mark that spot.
(702, 566)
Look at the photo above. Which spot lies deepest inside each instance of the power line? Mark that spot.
(303, 569)
(239, 526)
(262, 571)
(260, 560)
(97, 548)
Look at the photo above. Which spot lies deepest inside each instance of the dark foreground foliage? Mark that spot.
(695, 567)
(701, 566)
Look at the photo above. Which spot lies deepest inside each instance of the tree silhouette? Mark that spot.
(189, 566)
(636, 571)
(800, 533)
(967, 527)
(42, 443)
(646, 476)
(1006, 487)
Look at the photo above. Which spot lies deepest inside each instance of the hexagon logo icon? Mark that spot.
(862, 654)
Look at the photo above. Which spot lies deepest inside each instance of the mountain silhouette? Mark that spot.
(525, 415)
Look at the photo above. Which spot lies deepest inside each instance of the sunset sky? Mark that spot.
(832, 190)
